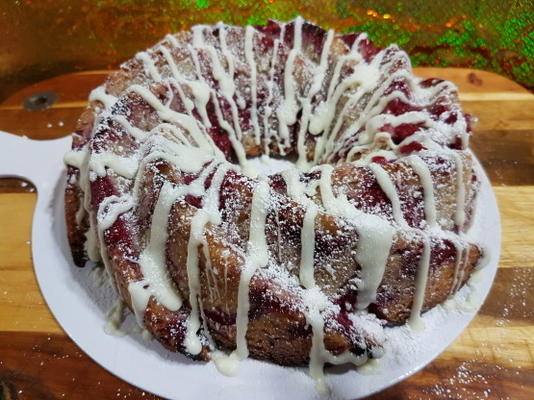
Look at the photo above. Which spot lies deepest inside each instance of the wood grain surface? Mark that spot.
(492, 359)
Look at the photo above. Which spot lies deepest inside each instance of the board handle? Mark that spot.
(32, 160)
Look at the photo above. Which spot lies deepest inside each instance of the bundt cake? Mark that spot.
(364, 230)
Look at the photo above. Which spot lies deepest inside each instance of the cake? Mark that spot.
(364, 230)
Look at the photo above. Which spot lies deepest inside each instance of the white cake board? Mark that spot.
(80, 306)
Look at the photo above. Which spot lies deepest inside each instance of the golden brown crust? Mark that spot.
(75, 231)
(396, 292)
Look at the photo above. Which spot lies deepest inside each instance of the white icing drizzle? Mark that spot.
(227, 88)
(388, 187)
(321, 118)
(287, 112)
(76, 158)
(268, 132)
(295, 188)
(459, 270)
(316, 302)
(226, 364)
(149, 65)
(137, 133)
(421, 169)
(232, 133)
(200, 90)
(225, 51)
(363, 77)
(415, 320)
(257, 257)
(297, 34)
(196, 238)
(318, 78)
(249, 54)
(80, 213)
(139, 296)
(296, 191)
(226, 82)
(373, 124)
(110, 209)
(165, 113)
(308, 244)
(459, 215)
(374, 240)
(156, 280)
(208, 214)
(99, 94)
(152, 259)
(123, 166)
(183, 141)
(80, 159)
(91, 243)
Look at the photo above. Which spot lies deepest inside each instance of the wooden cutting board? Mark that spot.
(493, 358)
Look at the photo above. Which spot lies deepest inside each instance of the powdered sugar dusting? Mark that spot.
(166, 168)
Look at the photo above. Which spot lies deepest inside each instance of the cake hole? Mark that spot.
(270, 165)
